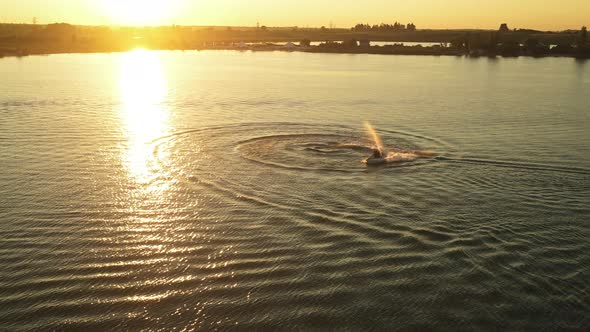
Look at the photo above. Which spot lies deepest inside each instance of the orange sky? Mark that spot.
(548, 15)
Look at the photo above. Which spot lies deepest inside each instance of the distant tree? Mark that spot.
(384, 27)
(61, 31)
(329, 45)
(562, 49)
(504, 28)
(263, 28)
(350, 43)
(582, 37)
(583, 49)
(305, 42)
(364, 42)
(323, 28)
(531, 43)
(535, 47)
(510, 48)
(461, 43)
(468, 40)
(492, 46)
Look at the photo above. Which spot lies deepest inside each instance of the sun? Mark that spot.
(141, 12)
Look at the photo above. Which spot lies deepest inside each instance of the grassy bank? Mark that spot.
(26, 39)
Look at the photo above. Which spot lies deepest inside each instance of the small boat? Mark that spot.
(376, 158)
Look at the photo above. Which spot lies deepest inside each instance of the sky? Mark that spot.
(436, 14)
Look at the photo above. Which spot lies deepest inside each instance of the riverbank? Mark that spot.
(26, 39)
(333, 48)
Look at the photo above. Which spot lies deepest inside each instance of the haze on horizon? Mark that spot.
(436, 14)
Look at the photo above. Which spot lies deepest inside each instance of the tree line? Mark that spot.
(501, 43)
(384, 27)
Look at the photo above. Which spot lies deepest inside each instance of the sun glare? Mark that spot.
(141, 12)
(143, 94)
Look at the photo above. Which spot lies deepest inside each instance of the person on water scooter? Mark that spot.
(377, 154)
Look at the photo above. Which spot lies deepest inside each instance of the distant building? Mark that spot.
(504, 28)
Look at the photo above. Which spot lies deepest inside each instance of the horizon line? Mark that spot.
(276, 27)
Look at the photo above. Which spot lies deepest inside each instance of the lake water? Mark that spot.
(225, 190)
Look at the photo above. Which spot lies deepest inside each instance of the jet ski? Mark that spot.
(377, 158)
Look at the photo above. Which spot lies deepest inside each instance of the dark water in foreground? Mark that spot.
(221, 190)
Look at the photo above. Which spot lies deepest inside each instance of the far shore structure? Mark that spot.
(35, 39)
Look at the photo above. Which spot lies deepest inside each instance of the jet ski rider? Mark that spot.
(377, 154)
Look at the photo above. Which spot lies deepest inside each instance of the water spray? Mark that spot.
(376, 139)
(379, 156)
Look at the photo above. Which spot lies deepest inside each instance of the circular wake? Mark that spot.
(326, 152)
(297, 147)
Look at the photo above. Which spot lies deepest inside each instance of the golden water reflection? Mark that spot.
(145, 117)
(144, 94)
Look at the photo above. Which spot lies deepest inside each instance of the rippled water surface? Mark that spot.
(226, 190)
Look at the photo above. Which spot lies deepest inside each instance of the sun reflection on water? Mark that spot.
(145, 116)
(144, 93)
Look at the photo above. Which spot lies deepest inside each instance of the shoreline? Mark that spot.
(321, 49)
(59, 38)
